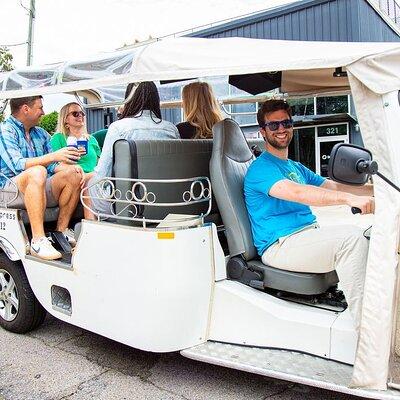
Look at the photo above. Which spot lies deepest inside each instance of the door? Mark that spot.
(327, 137)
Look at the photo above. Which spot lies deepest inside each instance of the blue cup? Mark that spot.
(82, 145)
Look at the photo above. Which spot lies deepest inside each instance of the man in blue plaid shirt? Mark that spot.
(44, 178)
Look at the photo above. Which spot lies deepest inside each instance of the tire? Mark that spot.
(20, 311)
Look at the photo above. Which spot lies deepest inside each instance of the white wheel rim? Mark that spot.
(9, 302)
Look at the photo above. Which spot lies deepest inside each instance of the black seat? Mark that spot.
(230, 160)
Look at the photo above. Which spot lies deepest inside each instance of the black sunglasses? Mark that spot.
(274, 125)
(77, 114)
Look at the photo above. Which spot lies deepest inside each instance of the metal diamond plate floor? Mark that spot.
(288, 365)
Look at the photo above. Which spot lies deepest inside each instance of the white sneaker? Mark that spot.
(42, 248)
(70, 236)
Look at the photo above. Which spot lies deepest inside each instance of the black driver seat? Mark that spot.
(230, 160)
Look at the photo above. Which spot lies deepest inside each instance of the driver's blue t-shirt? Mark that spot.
(272, 218)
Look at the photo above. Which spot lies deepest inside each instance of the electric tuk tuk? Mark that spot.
(173, 267)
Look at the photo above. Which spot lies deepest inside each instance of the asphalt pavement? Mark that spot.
(59, 361)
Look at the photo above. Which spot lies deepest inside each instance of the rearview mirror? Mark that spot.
(351, 164)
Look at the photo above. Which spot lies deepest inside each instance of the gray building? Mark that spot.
(320, 122)
(333, 20)
(324, 121)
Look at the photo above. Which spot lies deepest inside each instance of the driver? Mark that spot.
(279, 193)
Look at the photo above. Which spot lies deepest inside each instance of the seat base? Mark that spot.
(258, 275)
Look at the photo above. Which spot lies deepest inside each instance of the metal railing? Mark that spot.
(131, 202)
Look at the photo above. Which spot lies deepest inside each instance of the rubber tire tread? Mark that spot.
(31, 313)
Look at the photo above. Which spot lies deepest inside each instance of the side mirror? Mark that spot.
(351, 164)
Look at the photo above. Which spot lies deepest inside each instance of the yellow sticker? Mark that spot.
(165, 235)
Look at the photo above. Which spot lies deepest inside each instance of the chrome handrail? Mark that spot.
(199, 191)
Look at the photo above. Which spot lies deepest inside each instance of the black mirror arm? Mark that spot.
(371, 167)
(388, 181)
(356, 210)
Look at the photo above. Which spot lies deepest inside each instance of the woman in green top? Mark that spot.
(71, 122)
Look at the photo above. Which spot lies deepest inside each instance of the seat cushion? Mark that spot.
(303, 283)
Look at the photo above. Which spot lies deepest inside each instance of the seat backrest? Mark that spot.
(231, 157)
(162, 159)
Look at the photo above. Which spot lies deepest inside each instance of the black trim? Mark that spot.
(133, 159)
(133, 167)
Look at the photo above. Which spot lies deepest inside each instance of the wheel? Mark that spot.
(20, 312)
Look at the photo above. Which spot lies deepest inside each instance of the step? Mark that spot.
(283, 364)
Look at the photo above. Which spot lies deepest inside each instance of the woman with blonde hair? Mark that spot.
(71, 122)
(201, 111)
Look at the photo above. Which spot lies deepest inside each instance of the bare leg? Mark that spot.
(87, 213)
(31, 183)
(65, 188)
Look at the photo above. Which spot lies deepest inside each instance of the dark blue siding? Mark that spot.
(372, 27)
(94, 120)
(326, 20)
(171, 114)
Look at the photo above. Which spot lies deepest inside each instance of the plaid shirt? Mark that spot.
(15, 149)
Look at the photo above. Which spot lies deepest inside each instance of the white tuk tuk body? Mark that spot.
(166, 289)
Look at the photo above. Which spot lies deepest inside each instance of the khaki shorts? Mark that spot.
(9, 190)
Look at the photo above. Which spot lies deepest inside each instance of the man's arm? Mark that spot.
(364, 190)
(13, 157)
(319, 196)
(67, 155)
(45, 160)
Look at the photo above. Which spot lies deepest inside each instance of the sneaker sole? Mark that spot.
(49, 258)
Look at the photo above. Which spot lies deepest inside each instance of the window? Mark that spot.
(304, 147)
(302, 106)
(332, 105)
(248, 119)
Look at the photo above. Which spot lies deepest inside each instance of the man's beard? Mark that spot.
(276, 143)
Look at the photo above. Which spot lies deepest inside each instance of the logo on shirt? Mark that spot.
(294, 177)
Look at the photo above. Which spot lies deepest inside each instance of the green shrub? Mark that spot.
(49, 122)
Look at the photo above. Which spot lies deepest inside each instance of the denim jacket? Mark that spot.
(142, 127)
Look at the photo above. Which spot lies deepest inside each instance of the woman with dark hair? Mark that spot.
(140, 119)
(145, 97)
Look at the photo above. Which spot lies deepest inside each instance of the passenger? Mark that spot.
(140, 119)
(201, 111)
(71, 122)
(279, 193)
(43, 177)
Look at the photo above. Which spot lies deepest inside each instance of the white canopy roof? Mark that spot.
(308, 66)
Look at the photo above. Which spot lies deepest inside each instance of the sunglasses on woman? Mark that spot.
(77, 114)
(274, 125)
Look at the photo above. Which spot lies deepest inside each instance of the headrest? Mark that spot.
(236, 148)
